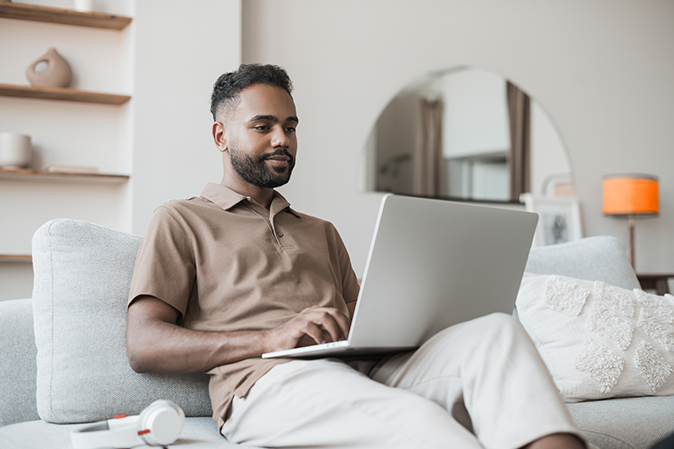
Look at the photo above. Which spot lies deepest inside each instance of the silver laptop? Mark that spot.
(432, 264)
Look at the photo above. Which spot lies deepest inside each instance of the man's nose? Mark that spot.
(279, 138)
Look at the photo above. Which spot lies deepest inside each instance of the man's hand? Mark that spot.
(314, 325)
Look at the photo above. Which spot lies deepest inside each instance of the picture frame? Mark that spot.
(558, 218)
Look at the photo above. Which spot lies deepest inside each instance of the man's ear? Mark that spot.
(218, 131)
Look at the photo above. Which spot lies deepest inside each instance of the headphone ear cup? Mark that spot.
(161, 423)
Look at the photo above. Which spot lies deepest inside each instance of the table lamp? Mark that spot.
(631, 195)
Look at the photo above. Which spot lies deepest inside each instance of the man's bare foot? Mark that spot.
(557, 441)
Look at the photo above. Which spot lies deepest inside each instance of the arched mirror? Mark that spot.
(468, 134)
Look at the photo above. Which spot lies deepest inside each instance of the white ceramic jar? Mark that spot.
(16, 150)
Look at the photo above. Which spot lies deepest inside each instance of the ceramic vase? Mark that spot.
(16, 150)
(50, 70)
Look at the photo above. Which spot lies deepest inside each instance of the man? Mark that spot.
(225, 277)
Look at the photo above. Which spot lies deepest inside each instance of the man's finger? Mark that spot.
(342, 321)
(334, 322)
(313, 331)
(333, 330)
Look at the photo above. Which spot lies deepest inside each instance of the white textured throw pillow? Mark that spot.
(599, 341)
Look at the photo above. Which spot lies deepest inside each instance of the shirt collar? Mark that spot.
(227, 198)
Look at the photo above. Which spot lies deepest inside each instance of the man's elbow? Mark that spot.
(136, 362)
(140, 359)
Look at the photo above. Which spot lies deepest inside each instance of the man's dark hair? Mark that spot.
(228, 86)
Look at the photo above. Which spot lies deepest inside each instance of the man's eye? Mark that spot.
(290, 129)
(262, 127)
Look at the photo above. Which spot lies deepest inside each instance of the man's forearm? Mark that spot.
(156, 344)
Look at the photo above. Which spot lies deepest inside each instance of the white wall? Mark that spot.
(549, 158)
(181, 49)
(167, 59)
(63, 132)
(602, 69)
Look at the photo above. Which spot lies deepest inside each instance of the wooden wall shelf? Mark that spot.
(62, 94)
(41, 175)
(21, 258)
(48, 14)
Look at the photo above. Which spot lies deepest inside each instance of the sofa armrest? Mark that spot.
(18, 366)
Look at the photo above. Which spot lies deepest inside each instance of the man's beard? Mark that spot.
(254, 170)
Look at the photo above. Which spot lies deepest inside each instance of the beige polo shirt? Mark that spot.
(228, 264)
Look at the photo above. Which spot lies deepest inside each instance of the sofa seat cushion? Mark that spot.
(625, 423)
(198, 433)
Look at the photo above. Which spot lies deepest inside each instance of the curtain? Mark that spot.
(428, 160)
(519, 158)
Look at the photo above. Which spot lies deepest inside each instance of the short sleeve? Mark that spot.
(350, 286)
(165, 266)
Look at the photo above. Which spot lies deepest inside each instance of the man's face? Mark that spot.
(260, 136)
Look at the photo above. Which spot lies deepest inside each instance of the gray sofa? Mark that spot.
(63, 359)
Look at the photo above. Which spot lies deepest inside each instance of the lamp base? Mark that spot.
(630, 225)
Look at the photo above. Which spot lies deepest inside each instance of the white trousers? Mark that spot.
(477, 384)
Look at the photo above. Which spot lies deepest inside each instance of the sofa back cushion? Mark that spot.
(599, 258)
(82, 277)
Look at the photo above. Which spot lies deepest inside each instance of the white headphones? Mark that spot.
(157, 425)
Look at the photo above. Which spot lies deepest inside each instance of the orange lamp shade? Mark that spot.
(630, 194)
